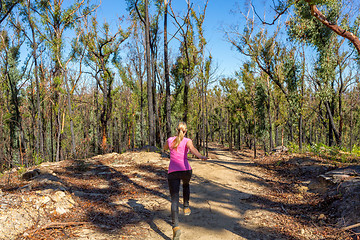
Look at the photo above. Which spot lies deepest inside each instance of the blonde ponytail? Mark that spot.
(181, 130)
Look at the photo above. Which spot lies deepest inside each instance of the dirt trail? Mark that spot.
(223, 201)
(125, 196)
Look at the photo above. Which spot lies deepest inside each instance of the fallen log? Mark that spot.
(351, 226)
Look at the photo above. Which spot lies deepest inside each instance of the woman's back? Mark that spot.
(178, 156)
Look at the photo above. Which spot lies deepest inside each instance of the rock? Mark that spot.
(341, 174)
(58, 196)
(63, 202)
(31, 175)
(280, 149)
(351, 171)
(344, 193)
(42, 201)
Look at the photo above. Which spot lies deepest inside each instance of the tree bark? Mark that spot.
(186, 97)
(148, 78)
(334, 27)
(73, 141)
(40, 139)
(167, 76)
(268, 106)
(332, 123)
(254, 130)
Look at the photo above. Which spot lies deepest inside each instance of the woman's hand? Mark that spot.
(204, 158)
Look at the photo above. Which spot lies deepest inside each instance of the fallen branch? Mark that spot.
(56, 225)
(282, 207)
(351, 226)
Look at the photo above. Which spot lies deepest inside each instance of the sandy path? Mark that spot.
(223, 202)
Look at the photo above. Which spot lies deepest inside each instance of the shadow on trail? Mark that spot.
(108, 196)
(224, 164)
(224, 207)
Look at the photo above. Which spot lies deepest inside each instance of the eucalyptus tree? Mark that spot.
(57, 19)
(205, 70)
(155, 69)
(29, 28)
(230, 88)
(247, 105)
(136, 72)
(12, 81)
(167, 73)
(149, 76)
(345, 25)
(139, 10)
(338, 24)
(271, 57)
(191, 45)
(101, 53)
(333, 59)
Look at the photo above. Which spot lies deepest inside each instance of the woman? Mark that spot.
(179, 169)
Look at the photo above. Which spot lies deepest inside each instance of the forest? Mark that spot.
(73, 86)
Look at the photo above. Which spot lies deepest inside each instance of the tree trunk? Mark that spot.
(141, 112)
(203, 108)
(254, 130)
(40, 139)
(103, 118)
(206, 125)
(157, 119)
(332, 127)
(148, 78)
(58, 141)
(301, 138)
(254, 135)
(51, 133)
(229, 132)
(300, 131)
(186, 97)
(73, 142)
(167, 76)
(97, 132)
(268, 106)
(239, 137)
(277, 142)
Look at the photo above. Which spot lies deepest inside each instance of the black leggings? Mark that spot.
(174, 187)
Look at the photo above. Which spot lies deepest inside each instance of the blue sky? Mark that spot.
(218, 14)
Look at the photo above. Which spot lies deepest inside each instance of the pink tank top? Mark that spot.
(178, 157)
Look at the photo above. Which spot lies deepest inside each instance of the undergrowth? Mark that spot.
(334, 153)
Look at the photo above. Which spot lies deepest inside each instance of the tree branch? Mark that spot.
(334, 27)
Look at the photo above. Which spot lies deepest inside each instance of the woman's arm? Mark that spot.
(166, 146)
(194, 151)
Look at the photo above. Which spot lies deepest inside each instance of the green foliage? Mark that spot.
(333, 153)
(304, 27)
(37, 159)
(21, 169)
(293, 147)
(356, 150)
